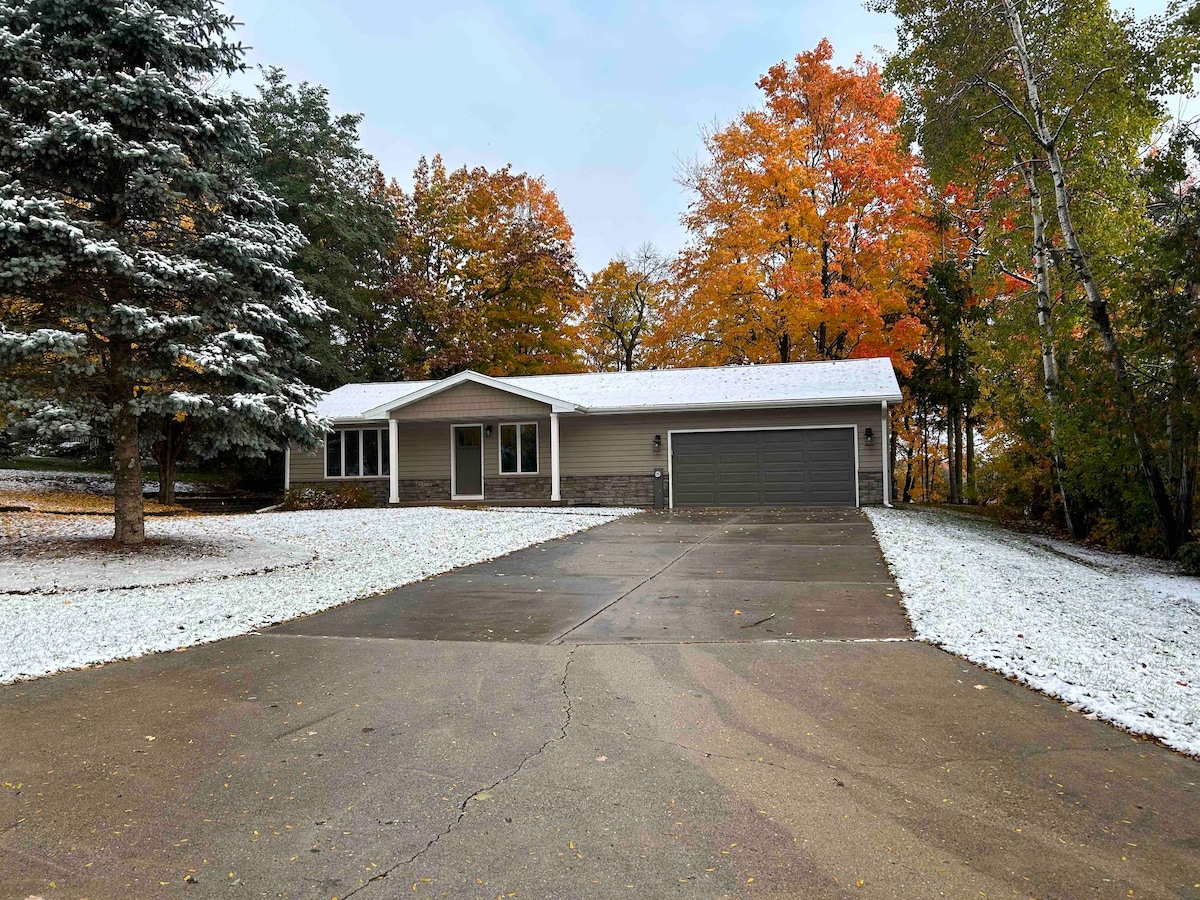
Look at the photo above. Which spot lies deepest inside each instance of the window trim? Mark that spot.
(382, 451)
(537, 437)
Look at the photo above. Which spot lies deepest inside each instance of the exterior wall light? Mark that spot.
(657, 442)
(869, 435)
(487, 430)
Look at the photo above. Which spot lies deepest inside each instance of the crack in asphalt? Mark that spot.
(462, 809)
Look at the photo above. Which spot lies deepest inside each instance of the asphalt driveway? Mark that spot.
(691, 576)
(595, 721)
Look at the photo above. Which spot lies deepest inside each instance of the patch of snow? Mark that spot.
(43, 555)
(1117, 637)
(99, 483)
(356, 552)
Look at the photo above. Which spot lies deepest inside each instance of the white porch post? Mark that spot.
(887, 459)
(287, 468)
(393, 461)
(555, 493)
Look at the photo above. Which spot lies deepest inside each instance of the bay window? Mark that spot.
(357, 453)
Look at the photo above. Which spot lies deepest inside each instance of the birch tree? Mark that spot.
(1073, 92)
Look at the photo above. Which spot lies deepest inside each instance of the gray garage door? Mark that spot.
(801, 467)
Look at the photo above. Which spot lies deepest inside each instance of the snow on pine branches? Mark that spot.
(143, 273)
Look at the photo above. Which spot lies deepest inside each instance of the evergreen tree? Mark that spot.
(145, 271)
(334, 192)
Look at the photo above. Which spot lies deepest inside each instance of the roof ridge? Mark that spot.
(730, 366)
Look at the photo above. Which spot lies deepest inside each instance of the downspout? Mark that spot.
(287, 469)
(887, 460)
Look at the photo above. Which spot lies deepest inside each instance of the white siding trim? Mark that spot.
(393, 461)
(674, 431)
(555, 491)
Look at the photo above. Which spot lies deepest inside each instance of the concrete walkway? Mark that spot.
(603, 760)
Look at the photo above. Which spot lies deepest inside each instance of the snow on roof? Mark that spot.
(352, 400)
(806, 383)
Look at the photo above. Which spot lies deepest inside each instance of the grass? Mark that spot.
(66, 464)
(77, 503)
(51, 464)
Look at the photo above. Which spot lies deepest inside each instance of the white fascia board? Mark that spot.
(737, 404)
(357, 421)
(383, 411)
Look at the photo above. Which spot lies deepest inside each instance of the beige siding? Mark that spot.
(623, 444)
(469, 402)
(424, 450)
(307, 466)
(600, 444)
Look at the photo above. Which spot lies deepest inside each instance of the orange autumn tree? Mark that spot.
(484, 276)
(807, 232)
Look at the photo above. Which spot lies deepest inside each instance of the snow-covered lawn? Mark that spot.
(319, 560)
(1118, 636)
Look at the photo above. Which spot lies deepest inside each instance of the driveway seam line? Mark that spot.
(647, 580)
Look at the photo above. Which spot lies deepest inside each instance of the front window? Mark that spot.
(357, 453)
(333, 454)
(370, 452)
(350, 456)
(519, 448)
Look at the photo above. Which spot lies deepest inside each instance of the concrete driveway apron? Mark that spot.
(702, 576)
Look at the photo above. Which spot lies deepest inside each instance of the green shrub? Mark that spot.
(1189, 557)
(344, 496)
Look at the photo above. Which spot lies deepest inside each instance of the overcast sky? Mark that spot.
(603, 99)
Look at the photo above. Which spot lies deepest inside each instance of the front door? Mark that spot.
(467, 441)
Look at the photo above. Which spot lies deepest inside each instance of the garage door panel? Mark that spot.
(781, 467)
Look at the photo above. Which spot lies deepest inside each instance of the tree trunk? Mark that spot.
(1096, 303)
(958, 450)
(166, 452)
(166, 482)
(972, 488)
(129, 525)
(906, 494)
(925, 457)
(1050, 372)
(953, 456)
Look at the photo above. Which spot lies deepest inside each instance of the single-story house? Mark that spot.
(810, 433)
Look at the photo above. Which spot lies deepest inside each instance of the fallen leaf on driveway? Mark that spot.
(981, 687)
(737, 612)
(601, 759)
